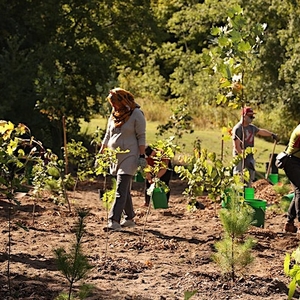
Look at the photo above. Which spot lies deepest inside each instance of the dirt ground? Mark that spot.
(167, 253)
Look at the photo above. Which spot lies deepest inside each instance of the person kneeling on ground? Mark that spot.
(164, 174)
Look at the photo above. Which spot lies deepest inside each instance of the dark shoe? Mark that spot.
(290, 227)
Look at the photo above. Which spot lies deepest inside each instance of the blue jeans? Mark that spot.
(123, 200)
(292, 171)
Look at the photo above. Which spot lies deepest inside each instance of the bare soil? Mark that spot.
(167, 253)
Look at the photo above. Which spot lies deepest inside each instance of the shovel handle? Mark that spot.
(270, 161)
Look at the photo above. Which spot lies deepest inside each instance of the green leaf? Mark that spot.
(236, 9)
(53, 171)
(221, 99)
(296, 255)
(225, 84)
(286, 266)
(189, 294)
(215, 31)
(244, 46)
(223, 41)
(292, 288)
(235, 36)
(22, 226)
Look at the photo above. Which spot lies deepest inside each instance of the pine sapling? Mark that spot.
(233, 252)
(74, 265)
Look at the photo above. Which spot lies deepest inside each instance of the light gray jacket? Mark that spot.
(129, 136)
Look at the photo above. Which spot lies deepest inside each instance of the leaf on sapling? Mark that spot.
(189, 294)
(296, 255)
(292, 289)
(22, 226)
(53, 171)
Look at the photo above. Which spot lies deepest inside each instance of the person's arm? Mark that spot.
(142, 149)
(237, 146)
(237, 139)
(148, 175)
(163, 171)
(265, 132)
(140, 128)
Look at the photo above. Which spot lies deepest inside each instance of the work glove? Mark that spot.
(142, 162)
(275, 137)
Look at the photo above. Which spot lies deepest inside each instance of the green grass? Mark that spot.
(210, 139)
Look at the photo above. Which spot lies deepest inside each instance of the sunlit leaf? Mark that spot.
(235, 36)
(215, 31)
(296, 255)
(221, 99)
(10, 150)
(223, 41)
(244, 46)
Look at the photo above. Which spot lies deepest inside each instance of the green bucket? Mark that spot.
(286, 201)
(159, 198)
(249, 193)
(138, 177)
(259, 207)
(273, 178)
(288, 197)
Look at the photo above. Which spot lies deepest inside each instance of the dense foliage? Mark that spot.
(61, 58)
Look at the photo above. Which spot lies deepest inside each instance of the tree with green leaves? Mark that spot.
(18, 151)
(58, 60)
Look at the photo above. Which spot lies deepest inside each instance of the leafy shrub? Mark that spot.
(292, 271)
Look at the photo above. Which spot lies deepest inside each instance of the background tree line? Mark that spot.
(60, 58)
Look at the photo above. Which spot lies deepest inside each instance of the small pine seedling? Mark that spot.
(74, 265)
(233, 253)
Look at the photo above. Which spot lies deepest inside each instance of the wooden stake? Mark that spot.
(65, 144)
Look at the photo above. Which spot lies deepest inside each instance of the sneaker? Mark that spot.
(113, 225)
(290, 227)
(127, 223)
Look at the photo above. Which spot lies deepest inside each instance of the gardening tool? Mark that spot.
(270, 162)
